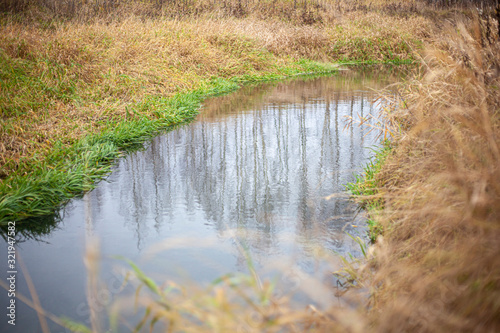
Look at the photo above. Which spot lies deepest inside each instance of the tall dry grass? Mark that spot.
(437, 267)
(297, 11)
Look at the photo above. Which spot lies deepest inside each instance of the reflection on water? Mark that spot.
(266, 170)
(256, 171)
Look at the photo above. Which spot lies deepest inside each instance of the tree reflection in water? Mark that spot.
(260, 161)
(254, 170)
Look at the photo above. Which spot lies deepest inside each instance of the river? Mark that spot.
(259, 174)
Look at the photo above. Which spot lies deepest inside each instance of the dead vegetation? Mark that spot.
(437, 266)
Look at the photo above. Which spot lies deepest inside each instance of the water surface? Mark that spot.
(260, 172)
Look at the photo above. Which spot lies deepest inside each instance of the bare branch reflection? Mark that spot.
(261, 160)
(261, 169)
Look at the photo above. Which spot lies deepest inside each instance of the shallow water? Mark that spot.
(261, 171)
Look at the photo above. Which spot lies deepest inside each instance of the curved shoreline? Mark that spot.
(71, 171)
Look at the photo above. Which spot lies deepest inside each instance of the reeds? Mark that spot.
(437, 265)
(299, 12)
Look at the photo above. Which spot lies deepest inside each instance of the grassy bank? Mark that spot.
(77, 90)
(365, 188)
(71, 170)
(436, 265)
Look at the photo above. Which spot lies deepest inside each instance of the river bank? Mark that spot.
(435, 199)
(78, 91)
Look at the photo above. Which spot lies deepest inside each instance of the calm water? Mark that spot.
(262, 169)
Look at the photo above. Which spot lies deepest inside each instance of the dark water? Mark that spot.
(262, 169)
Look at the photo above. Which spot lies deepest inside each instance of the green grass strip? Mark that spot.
(365, 188)
(71, 171)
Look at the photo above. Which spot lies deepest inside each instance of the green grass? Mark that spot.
(22, 91)
(70, 171)
(365, 189)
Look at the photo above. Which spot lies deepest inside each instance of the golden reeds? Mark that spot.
(438, 266)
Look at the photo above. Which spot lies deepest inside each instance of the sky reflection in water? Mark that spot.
(253, 171)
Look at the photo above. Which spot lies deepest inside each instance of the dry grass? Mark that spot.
(64, 79)
(437, 268)
(298, 12)
(236, 302)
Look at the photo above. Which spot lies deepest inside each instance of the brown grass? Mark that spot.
(299, 12)
(437, 267)
(66, 78)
